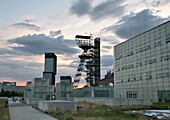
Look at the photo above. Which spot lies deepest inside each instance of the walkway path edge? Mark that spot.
(21, 111)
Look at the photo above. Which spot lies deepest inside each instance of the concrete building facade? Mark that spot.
(64, 88)
(39, 87)
(142, 65)
(28, 93)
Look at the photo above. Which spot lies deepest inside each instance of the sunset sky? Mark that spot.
(26, 28)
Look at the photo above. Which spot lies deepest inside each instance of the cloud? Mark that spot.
(110, 39)
(73, 64)
(81, 7)
(156, 3)
(21, 57)
(108, 8)
(135, 23)
(18, 70)
(38, 44)
(29, 20)
(26, 67)
(106, 47)
(107, 60)
(9, 51)
(55, 33)
(28, 26)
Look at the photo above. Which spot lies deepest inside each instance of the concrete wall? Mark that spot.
(32, 101)
(28, 94)
(40, 87)
(115, 102)
(28, 85)
(4, 98)
(64, 88)
(57, 104)
(105, 91)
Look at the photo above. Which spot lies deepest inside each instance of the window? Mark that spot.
(139, 64)
(126, 80)
(162, 75)
(142, 49)
(157, 44)
(148, 77)
(147, 62)
(127, 67)
(139, 78)
(131, 94)
(168, 38)
(119, 81)
(128, 54)
(118, 57)
(117, 69)
(165, 58)
(132, 79)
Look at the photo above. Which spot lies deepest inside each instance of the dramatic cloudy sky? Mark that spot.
(30, 28)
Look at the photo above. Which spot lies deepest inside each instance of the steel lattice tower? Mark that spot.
(89, 60)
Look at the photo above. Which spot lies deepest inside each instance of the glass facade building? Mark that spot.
(142, 65)
(50, 67)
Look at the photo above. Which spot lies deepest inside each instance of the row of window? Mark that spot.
(151, 61)
(140, 64)
(131, 94)
(141, 49)
(147, 77)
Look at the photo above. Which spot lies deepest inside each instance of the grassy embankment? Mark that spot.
(102, 112)
(4, 111)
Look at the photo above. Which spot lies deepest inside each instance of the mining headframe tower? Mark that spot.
(89, 60)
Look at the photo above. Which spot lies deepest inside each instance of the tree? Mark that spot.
(10, 93)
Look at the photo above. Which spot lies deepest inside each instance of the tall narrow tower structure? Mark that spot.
(97, 60)
(89, 60)
(50, 67)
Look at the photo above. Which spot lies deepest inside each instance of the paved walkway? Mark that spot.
(21, 111)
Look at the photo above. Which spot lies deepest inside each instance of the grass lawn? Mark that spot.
(91, 111)
(4, 111)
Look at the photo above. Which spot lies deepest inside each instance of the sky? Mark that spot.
(29, 28)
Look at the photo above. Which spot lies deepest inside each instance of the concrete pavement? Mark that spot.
(21, 111)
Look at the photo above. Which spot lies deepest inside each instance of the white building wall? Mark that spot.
(142, 64)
